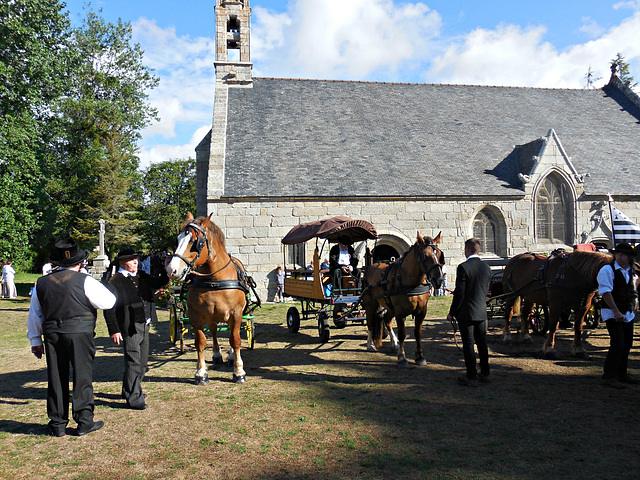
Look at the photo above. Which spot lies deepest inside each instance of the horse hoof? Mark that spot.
(403, 363)
(229, 363)
(202, 380)
(551, 356)
(527, 341)
(582, 355)
(421, 362)
(239, 378)
(507, 341)
(371, 348)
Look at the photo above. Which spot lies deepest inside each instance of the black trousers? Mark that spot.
(79, 351)
(474, 332)
(620, 342)
(136, 356)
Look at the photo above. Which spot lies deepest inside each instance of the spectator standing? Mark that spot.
(8, 281)
(64, 308)
(469, 309)
(128, 321)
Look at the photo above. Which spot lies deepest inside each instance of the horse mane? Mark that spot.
(215, 230)
(427, 241)
(589, 263)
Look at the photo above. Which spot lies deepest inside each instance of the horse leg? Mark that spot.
(202, 376)
(217, 352)
(526, 310)
(510, 305)
(402, 333)
(374, 327)
(393, 339)
(580, 313)
(417, 333)
(234, 352)
(549, 349)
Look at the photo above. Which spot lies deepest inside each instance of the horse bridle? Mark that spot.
(422, 257)
(200, 243)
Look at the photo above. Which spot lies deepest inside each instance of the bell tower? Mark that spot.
(233, 35)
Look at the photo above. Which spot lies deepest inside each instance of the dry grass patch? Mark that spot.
(331, 411)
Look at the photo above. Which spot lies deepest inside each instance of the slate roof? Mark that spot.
(309, 138)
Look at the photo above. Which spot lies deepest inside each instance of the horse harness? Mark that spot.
(196, 279)
(398, 288)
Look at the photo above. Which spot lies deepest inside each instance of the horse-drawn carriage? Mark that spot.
(322, 293)
(179, 320)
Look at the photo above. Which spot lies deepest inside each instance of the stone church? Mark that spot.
(522, 169)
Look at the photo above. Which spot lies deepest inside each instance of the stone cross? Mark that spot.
(101, 232)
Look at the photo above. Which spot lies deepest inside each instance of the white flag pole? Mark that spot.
(613, 232)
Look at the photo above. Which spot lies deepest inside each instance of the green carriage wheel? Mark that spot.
(172, 324)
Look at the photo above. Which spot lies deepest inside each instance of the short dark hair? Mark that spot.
(473, 245)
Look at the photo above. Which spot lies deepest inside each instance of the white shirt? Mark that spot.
(8, 273)
(343, 257)
(98, 295)
(605, 285)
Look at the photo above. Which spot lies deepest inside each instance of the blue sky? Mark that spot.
(545, 43)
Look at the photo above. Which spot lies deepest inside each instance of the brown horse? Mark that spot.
(216, 294)
(402, 288)
(559, 282)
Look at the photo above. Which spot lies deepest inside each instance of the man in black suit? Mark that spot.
(128, 321)
(469, 309)
(64, 308)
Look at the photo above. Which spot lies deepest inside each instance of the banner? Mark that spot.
(624, 230)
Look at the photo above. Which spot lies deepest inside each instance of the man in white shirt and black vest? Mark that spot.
(128, 321)
(616, 285)
(63, 308)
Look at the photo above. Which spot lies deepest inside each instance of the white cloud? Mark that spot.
(591, 27)
(511, 55)
(337, 39)
(163, 152)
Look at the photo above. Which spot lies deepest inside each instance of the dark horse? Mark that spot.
(216, 294)
(559, 282)
(402, 288)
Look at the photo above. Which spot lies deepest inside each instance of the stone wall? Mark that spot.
(254, 228)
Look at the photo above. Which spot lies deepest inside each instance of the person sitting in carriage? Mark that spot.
(343, 259)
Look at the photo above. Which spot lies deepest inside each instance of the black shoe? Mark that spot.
(626, 378)
(57, 433)
(142, 406)
(467, 382)
(94, 426)
(484, 378)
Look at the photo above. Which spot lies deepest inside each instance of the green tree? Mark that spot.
(33, 73)
(169, 190)
(104, 111)
(620, 66)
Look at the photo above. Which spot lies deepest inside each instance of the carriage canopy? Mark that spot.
(331, 229)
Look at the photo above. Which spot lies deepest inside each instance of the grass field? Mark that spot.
(327, 411)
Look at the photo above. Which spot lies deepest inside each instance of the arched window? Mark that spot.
(554, 220)
(485, 229)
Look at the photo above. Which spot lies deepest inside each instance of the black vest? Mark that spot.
(623, 293)
(65, 306)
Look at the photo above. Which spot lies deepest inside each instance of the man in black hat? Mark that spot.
(128, 321)
(342, 256)
(616, 285)
(64, 307)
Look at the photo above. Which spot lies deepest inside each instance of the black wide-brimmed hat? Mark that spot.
(67, 254)
(625, 248)
(345, 240)
(127, 254)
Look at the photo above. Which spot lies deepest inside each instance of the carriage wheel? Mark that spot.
(338, 318)
(592, 319)
(251, 334)
(293, 320)
(172, 324)
(323, 327)
(540, 320)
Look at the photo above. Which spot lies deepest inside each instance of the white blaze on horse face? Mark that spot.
(177, 266)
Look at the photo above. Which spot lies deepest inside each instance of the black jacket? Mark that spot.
(133, 304)
(334, 254)
(470, 296)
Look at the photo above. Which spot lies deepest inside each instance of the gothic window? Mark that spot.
(295, 255)
(554, 220)
(485, 229)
